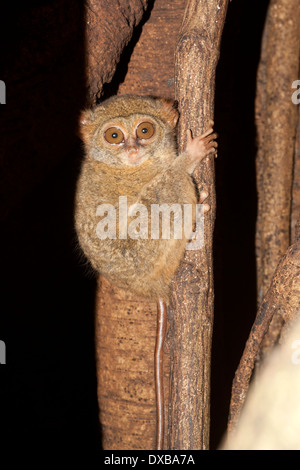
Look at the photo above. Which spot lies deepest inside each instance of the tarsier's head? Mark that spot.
(127, 130)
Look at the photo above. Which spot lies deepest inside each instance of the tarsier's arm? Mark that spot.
(197, 148)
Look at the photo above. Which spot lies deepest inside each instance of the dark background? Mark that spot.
(48, 386)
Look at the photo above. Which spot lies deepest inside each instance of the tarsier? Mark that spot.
(131, 151)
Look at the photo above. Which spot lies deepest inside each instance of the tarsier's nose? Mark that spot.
(131, 148)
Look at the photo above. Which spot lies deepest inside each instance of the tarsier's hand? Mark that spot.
(199, 147)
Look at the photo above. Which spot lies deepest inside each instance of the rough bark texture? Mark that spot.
(109, 29)
(125, 329)
(151, 67)
(283, 301)
(276, 119)
(191, 315)
(296, 183)
(271, 417)
(125, 325)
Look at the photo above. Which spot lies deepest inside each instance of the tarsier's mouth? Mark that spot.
(134, 158)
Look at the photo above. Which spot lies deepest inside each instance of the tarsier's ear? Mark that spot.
(86, 125)
(169, 111)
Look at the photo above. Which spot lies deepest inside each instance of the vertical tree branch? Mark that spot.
(296, 182)
(191, 315)
(276, 120)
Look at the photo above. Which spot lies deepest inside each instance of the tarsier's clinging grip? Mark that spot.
(131, 167)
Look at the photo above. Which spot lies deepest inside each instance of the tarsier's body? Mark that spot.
(147, 171)
(130, 151)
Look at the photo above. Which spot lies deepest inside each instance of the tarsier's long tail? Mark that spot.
(159, 371)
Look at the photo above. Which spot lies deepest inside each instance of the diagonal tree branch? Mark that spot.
(283, 297)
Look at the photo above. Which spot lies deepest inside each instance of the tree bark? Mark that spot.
(296, 183)
(110, 27)
(150, 70)
(125, 340)
(191, 313)
(283, 301)
(276, 120)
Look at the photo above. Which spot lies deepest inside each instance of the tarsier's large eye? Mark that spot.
(113, 135)
(145, 130)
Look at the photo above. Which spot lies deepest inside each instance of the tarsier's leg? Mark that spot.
(159, 371)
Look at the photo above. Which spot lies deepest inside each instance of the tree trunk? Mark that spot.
(191, 315)
(276, 119)
(125, 341)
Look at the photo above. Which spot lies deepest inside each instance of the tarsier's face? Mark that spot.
(131, 140)
(128, 130)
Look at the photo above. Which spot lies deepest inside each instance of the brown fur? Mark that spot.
(143, 266)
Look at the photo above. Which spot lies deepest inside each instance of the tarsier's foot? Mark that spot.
(199, 147)
(203, 196)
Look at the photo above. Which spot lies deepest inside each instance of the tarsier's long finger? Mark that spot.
(213, 143)
(208, 132)
(202, 136)
(211, 137)
(211, 150)
(189, 135)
